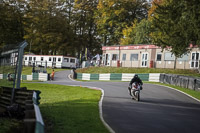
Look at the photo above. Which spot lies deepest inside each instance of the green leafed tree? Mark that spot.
(85, 27)
(176, 25)
(113, 16)
(139, 33)
(11, 27)
(46, 27)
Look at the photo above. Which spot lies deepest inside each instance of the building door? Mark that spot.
(144, 59)
(107, 60)
(54, 62)
(195, 60)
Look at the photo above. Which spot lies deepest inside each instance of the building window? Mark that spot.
(66, 59)
(54, 59)
(184, 57)
(25, 58)
(159, 57)
(42, 58)
(49, 58)
(59, 59)
(169, 56)
(34, 58)
(30, 58)
(134, 57)
(72, 60)
(115, 57)
(124, 57)
(195, 60)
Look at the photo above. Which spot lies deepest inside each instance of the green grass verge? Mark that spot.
(5, 82)
(7, 69)
(193, 93)
(28, 70)
(30, 81)
(69, 109)
(137, 70)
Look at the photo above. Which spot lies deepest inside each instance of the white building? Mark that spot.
(57, 61)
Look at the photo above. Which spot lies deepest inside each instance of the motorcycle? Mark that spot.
(135, 91)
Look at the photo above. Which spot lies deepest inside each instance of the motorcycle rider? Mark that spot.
(136, 79)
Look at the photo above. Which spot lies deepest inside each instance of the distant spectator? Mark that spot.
(52, 75)
(98, 59)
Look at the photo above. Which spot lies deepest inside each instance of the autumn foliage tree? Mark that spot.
(68, 27)
(113, 16)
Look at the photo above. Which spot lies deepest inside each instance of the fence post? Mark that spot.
(19, 68)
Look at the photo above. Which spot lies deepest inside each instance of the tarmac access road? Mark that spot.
(161, 109)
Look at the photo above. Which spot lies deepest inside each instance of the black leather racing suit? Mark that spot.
(137, 80)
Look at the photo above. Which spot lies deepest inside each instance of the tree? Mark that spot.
(85, 26)
(40, 29)
(11, 28)
(113, 16)
(139, 33)
(47, 28)
(176, 25)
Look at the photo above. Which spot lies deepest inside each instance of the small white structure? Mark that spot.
(56, 61)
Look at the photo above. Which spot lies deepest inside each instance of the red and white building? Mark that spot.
(150, 56)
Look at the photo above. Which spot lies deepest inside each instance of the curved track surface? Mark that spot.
(161, 109)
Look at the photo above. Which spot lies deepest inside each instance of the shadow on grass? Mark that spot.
(74, 116)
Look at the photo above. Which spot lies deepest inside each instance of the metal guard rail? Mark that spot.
(39, 125)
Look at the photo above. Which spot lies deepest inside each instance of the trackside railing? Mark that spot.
(39, 125)
(33, 122)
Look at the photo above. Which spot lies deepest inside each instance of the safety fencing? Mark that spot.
(177, 80)
(33, 122)
(25, 106)
(39, 125)
(154, 77)
(192, 83)
(34, 76)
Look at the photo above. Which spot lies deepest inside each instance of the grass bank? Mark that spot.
(137, 70)
(28, 70)
(69, 109)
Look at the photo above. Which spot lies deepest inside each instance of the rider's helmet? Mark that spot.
(135, 76)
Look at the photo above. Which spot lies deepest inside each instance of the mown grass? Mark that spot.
(193, 93)
(5, 82)
(137, 70)
(28, 70)
(69, 109)
(7, 69)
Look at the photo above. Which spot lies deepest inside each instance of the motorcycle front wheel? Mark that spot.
(137, 95)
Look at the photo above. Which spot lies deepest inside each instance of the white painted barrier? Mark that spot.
(29, 77)
(43, 76)
(154, 77)
(85, 76)
(104, 76)
(127, 76)
(1, 76)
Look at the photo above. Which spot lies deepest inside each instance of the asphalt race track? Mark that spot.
(161, 109)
